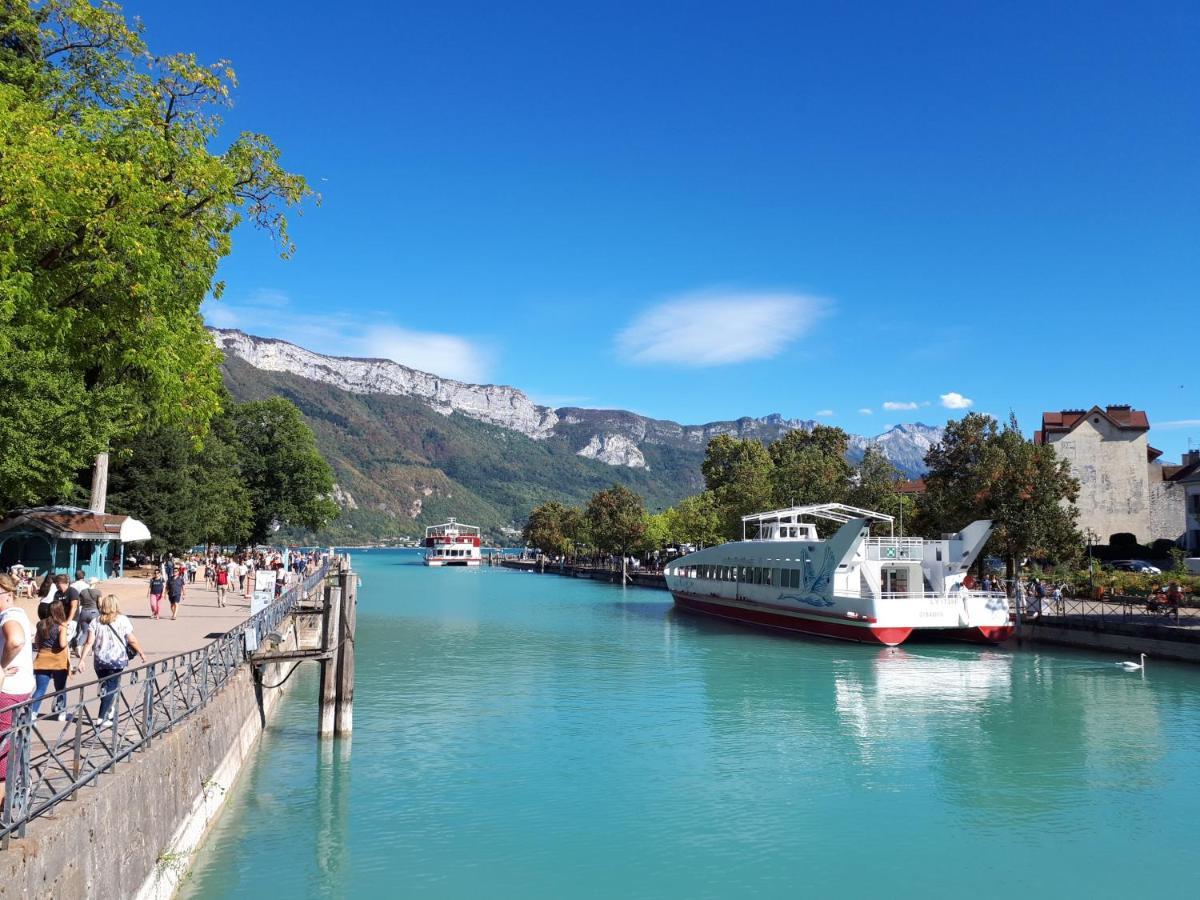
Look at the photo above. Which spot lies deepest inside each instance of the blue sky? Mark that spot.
(701, 211)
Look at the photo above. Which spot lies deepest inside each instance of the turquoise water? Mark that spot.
(542, 737)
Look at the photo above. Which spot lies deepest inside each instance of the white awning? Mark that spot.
(133, 531)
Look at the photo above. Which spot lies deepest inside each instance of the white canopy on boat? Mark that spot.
(834, 512)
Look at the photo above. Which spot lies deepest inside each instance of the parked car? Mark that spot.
(1134, 565)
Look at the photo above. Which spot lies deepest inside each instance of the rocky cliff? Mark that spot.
(615, 437)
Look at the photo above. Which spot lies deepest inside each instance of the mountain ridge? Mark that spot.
(618, 438)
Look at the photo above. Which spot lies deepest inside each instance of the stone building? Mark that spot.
(1109, 453)
(1185, 479)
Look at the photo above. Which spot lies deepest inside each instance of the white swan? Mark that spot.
(1130, 666)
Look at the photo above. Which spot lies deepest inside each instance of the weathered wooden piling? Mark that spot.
(330, 629)
(348, 585)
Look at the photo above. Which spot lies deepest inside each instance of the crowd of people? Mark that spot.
(77, 620)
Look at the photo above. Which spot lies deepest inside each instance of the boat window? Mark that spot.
(795, 578)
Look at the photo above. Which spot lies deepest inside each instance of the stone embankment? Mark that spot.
(132, 831)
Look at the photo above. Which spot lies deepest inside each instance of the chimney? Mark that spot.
(99, 483)
(1191, 457)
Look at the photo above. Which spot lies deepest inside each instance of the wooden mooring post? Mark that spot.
(331, 620)
(348, 585)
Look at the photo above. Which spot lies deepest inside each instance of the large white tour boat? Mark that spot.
(850, 585)
(452, 544)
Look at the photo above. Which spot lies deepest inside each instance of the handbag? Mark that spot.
(130, 653)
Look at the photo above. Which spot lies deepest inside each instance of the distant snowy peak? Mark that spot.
(504, 406)
(904, 445)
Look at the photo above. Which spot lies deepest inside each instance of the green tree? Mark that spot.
(224, 515)
(697, 520)
(983, 471)
(288, 481)
(185, 495)
(810, 467)
(737, 473)
(114, 213)
(151, 480)
(874, 487)
(616, 520)
(554, 528)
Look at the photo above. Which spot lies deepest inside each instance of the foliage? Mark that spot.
(737, 472)
(696, 520)
(809, 467)
(114, 213)
(983, 471)
(874, 487)
(186, 495)
(288, 480)
(554, 528)
(616, 520)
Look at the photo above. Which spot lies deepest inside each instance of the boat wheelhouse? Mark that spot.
(851, 585)
(453, 544)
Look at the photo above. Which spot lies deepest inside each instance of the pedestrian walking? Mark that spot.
(222, 584)
(111, 642)
(89, 612)
(52, 660)
(158, 585)
(176, 588)
(16, 664)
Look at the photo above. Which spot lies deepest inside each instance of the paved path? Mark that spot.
(200, 619)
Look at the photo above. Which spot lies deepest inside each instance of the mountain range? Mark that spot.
(409, 448)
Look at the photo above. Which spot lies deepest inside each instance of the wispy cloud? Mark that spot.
(824, 413)
(714, 328)
(866, 411)
(955, 400)
(1178, 423)
(899, 405)
(268, 313)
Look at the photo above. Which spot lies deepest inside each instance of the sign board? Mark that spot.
(264, 590)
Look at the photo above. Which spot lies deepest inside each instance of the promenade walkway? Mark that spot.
(200, 619)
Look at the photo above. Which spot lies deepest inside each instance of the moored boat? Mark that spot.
(851, 585)
(453, 544)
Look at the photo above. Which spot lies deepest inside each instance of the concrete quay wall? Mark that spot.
(133, 832)
(1181, 646)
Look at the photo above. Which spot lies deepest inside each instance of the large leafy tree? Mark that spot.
(115, 209)
(290, 484)
(554, 528)
(737, 472)
(874, 487)
(981, 470)
(185, 494)
(810, 467)
(616, 520)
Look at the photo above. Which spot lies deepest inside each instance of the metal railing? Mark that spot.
(1118, 610)
(53, 755)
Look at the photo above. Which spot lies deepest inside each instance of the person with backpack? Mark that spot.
(176, 587)
(222, 583)
(158, 585)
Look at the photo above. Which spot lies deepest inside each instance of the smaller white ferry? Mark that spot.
(453, 544)
(850, 586)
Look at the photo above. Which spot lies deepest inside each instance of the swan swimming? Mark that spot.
(1130, 666)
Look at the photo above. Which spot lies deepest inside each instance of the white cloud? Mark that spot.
(898, 405)
(955, 400)
(268, 313)
(447, 355)
(866, 411)
(824, 413)
(719, 328)
(1178, 423)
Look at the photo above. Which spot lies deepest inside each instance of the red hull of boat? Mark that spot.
(823, 625)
